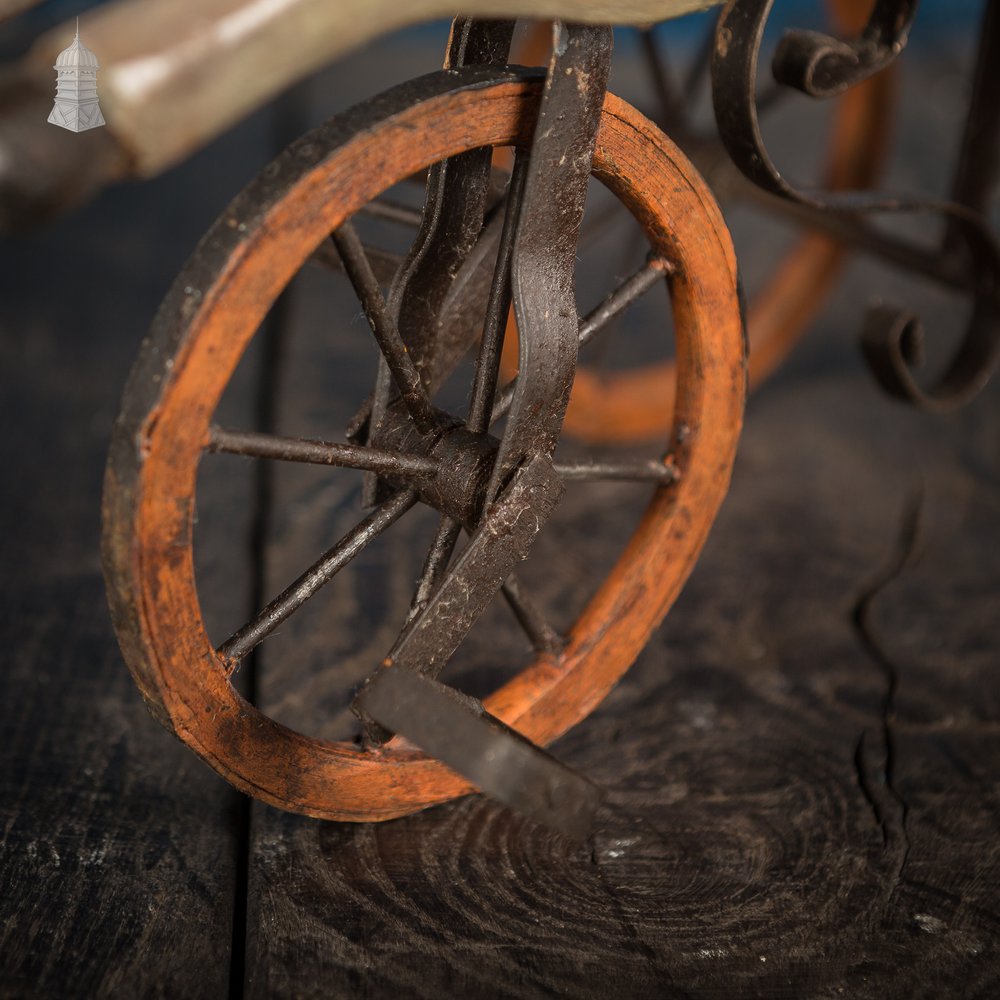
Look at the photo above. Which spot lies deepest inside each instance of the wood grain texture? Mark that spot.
(763, 843)
(792, 819)
(750, 740)
(117, 849)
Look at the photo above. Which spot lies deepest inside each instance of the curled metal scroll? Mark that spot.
(821, 66)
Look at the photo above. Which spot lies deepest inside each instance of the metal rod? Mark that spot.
(379, 406)
(975, 178)
(435, 564)
(384, 263)
(633, 287)
(620, 299)
(293, 597)
(313, 452)
(543, 637)
(404, 371)
(431, 575)
(357, 427)
(861, 235)
(457, 730)
(497, 308)
(392, 211)
(644, 471)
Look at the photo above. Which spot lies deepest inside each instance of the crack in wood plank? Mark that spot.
(875, 762)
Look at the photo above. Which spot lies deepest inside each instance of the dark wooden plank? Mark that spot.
(756, 851)
(118, 848)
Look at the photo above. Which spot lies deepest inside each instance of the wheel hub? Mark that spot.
(465, 462)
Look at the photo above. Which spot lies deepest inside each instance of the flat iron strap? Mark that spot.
(458, 731)
(544, 255)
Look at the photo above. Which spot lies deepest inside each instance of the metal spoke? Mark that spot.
(293, 597)
(649, 470)
(497, 308)
(384, 264)
(431, 575)
(543, 637)
(620, 299)
(392, 211)
(357, 426)
(313, 452)
(404, 371)
(379, 405)
(598, 360)
(653, 270)
(435, 564)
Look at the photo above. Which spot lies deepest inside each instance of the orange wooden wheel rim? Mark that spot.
(196, 343)
(636, 405)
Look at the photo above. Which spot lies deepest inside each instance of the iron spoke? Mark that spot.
(649, 470)
(384, 264)
(543, 637)
(321, 572)
(435, 564)
(392, 211)
(313, 452)
(620, 299)
(497, 309)
(652, 270)
(404, 371)
(376, 414)
(357, 426)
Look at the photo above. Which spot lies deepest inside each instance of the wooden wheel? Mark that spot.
(208, 319)
(636, 404)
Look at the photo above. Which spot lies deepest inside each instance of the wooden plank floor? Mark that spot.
(803, 763)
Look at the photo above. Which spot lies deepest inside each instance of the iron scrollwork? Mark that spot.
(969, 257)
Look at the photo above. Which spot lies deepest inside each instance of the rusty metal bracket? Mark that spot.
(498, 760)
(455, 204)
